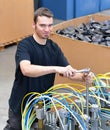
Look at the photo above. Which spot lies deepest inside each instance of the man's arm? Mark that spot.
(31, 70)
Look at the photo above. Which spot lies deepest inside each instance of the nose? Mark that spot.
(47, 28)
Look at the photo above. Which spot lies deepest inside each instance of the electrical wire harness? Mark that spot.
(64, 107)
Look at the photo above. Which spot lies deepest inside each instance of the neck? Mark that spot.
(39, 40)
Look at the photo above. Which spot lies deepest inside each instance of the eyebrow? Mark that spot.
(46, 24)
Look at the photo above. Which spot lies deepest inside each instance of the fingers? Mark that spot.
(88, 77)
(67, 72)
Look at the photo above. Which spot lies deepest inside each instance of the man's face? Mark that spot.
(43, 27)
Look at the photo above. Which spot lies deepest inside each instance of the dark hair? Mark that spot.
(42, 12)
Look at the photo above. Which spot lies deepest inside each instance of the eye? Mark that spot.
(50, 25)
(43, 25)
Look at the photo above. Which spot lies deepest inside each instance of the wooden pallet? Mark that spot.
(14, 42)
(4, 45)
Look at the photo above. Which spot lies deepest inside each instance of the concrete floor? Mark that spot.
(7, 68)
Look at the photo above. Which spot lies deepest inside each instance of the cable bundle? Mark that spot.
(65, 96)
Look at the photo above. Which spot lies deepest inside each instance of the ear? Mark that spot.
(33, 25)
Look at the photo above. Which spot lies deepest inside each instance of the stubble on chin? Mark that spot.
(45, 37)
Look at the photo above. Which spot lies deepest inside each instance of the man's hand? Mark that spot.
(83, 75)
(88, 77)
(67, 71)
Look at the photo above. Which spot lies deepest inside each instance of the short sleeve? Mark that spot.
(22, 52)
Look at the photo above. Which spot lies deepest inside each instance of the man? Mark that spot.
(38, 59)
